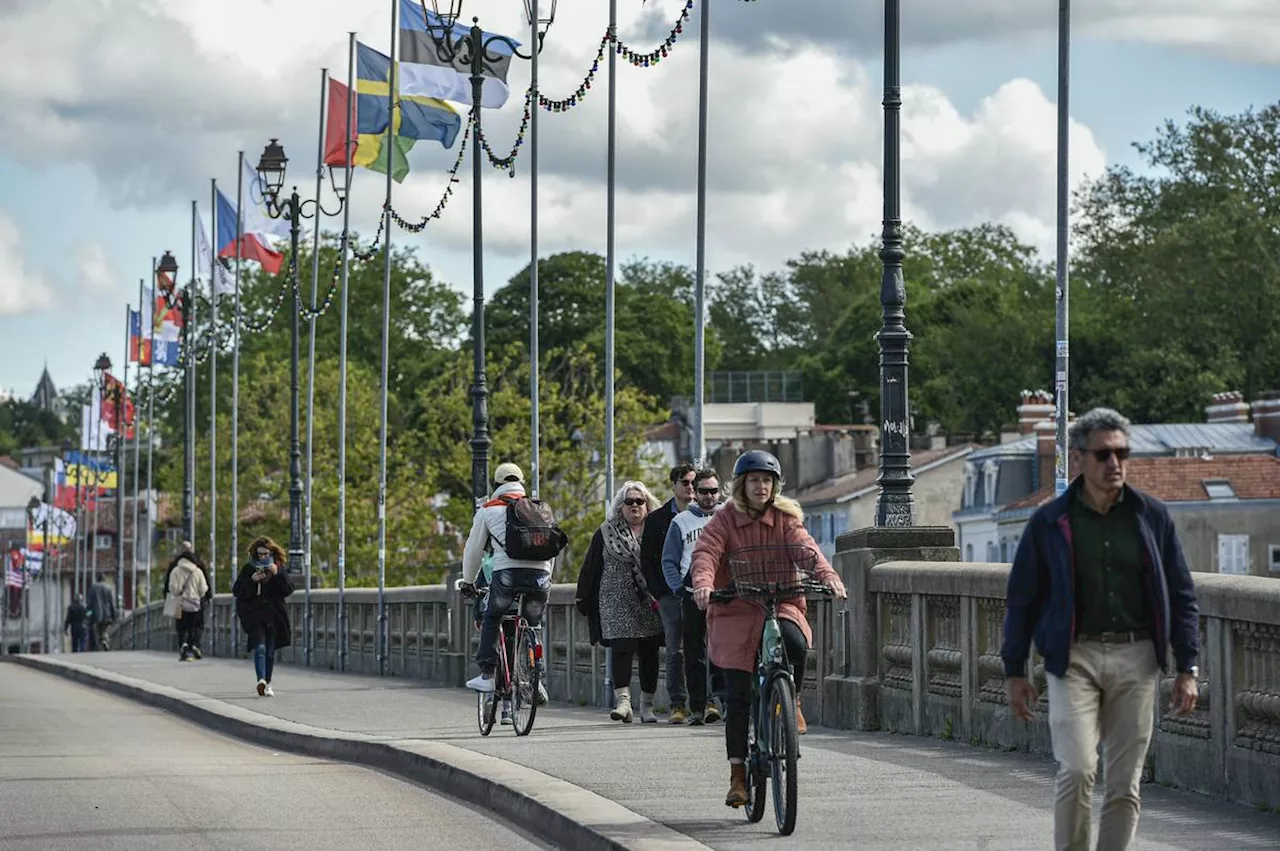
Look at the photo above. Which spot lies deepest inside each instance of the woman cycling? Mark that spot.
(758, 515)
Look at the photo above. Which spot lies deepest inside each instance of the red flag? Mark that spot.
(117, 406)
(340, 101)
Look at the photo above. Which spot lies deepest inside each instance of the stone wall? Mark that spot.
(915, 649)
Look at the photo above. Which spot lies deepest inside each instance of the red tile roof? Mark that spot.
(1182, 479)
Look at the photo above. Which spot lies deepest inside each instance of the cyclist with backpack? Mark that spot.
(524, 539)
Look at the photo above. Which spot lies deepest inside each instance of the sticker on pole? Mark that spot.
(1064, 348)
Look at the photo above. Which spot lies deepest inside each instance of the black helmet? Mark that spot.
(757, 461)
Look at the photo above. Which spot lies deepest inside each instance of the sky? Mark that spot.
(113, 120)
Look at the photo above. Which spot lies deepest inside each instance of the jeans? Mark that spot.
(738, 710)
(190, 625)
(79, 638)
(671, 608)
(264, 652)
(535, 584)
(624, 663)
(695, 659)
(1108, 693)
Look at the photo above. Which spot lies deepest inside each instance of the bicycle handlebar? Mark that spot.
(735, 591)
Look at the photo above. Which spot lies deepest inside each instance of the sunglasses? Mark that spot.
(1104, 455)
(708, 491)
(634, 500)
(686, 482)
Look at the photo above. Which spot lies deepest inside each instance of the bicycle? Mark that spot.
(765, 576)
(520, 684)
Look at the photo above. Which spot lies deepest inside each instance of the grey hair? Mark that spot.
(615, 506)
(1099, 419)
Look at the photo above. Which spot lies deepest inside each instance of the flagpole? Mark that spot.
(137, 448)
(213, 415)
(95, 424)
(122, 431)
(386, 340)
(189, 370)
(1062, 319)
(534, 368)
(700, 301)
(610, 261)
(342, 366)
(235, 401)
(308, 622)
(151, 441)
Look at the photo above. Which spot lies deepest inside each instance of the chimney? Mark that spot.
(1228, 407)
(1266, 415)
(1036, 407)
(1046, 432)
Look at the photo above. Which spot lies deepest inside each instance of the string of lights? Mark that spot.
(416, 227)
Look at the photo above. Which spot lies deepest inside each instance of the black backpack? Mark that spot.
(532, 533)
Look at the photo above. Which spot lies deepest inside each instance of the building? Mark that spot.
(46, 396)
(1221, 478)
(848, 501)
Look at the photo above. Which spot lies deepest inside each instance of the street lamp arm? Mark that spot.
(463, 50)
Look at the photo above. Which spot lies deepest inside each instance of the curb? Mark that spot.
(553, 810)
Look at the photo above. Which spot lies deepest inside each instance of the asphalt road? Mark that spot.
(81, 769)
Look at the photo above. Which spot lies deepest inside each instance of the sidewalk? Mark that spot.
(878, 791)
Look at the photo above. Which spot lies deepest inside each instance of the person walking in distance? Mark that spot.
(523, 539)
(670, 606)
(677, 553)
(194, 621)
(260, 591)
(621, 611)
(1100, 582)
(187, 583)
(102, 611)
(76, 623)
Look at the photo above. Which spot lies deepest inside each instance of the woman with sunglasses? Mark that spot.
(620, 608)
(260, 590)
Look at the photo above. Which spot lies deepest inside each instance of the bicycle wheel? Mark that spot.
(756, 778)
(524, 681)
(486, 712)
(785, 747)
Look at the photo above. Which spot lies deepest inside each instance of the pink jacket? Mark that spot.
(733, 629)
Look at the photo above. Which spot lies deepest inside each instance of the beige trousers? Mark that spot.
(1107, 695)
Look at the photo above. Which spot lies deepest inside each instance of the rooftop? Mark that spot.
(851, 484)
(1164, 439)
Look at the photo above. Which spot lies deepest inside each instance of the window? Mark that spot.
(1233, 554)
(968, 552)
(831, 528)
(970, 485)
(1273, 562)
(103, 542)
(1218, 489)
(991, 551)
(1004, 549)
(990, 472)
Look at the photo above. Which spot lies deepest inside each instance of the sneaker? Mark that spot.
(678, 714)
(196, 652)
(695, 719)
(262, 688)
(269, 692)
(506, 712)
(542, 695)
(712, 714)
(481, 683)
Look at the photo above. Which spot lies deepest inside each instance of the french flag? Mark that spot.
(257, 231)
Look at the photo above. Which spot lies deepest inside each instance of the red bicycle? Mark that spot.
(516, 678)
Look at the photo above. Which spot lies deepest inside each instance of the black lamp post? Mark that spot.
(470, 47)
(271, 169)
(895, 506)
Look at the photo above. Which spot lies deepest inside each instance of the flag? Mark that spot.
(15, 566)
(368, 150)
(62, 528)
(117, 407)
(204, 252)
(64, 496)
(96, 474)
(93, 431)
(166, 323)
(422, 118)
(425, 73)
(257, 228)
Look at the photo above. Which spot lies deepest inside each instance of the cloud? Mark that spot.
(93, 272)
(21, 290)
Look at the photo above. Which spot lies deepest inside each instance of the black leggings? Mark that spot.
(624, 658)
(738, 710)
(190, 626)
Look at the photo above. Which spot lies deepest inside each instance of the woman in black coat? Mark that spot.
(260, 590)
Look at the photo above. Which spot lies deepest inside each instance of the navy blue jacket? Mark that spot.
(1041, 601)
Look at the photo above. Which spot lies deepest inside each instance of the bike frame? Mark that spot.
(771, 663)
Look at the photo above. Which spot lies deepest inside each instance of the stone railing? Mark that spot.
(916, 649)
(924, 635)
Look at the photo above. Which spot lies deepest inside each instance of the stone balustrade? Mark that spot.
(915, 649)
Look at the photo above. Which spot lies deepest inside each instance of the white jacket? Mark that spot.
(187, 581)
(491, 521)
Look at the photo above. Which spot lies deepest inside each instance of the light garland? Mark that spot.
(417, 227)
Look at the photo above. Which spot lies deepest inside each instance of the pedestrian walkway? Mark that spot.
(876, 791)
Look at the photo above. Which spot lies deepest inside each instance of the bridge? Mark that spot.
(913, 651)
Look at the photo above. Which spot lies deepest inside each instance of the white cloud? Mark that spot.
(93, 272)
(21, 290)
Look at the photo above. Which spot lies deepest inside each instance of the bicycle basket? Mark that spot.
(785, 570)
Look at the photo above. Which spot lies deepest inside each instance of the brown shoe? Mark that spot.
(802, 726)
(737, 796)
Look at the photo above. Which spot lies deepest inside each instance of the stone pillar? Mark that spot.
(454, 662)
(851, 696)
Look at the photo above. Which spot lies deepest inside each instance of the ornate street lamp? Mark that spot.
(459, 45)
(271, 169)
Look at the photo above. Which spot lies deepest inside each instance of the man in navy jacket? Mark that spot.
(1099, 583)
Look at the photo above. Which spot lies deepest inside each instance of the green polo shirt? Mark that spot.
(1108, 558)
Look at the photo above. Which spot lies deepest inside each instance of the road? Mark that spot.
(81, 769)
